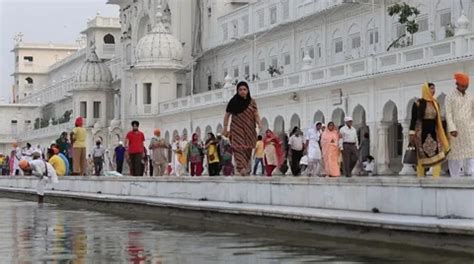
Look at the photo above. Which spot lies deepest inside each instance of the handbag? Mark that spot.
(410, 155)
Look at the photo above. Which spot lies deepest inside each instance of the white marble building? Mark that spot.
(174, 62)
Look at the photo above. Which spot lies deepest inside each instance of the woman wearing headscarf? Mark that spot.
(195, 155)
(427, 132)
(273, 152)
(313, 149)
(331, 151)
(213, 158)
(244, 117)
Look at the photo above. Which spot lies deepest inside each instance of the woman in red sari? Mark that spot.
(244, 118)
(273, 152)
(331, 152)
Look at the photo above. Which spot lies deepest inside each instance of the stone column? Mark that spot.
(383, 155)
(116, 106)
(407, 168)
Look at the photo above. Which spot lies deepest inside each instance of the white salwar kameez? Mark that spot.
(314, 152)
(460, 118)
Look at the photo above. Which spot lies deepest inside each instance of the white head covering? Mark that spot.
(120, 143)
(347, 119)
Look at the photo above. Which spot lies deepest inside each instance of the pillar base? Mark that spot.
(383, 169)
(408, 170)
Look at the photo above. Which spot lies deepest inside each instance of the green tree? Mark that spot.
(406, 17)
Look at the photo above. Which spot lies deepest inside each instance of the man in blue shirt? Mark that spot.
(119, 156)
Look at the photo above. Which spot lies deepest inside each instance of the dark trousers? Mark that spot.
(349, 158)
(136, 165)
(119, 165)
(150, 167)
(214, 169)
(296, 156)
(258, 161)
(98, 164)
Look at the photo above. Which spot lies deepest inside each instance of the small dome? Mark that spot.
(93, 74)
(159, 48)
(463, 21)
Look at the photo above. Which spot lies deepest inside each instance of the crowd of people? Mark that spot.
(323, 150)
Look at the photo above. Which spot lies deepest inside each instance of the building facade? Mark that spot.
(174, 64)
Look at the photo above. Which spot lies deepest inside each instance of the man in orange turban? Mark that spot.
(159, 154)
(459, 113)
(462, 80)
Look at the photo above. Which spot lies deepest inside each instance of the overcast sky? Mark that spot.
(57, 21)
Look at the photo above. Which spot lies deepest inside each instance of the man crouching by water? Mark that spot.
(41, 169)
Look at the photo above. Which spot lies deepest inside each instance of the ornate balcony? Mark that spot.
(445, 51)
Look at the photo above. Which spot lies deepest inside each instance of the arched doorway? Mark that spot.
(198, 132)
(185, 133)
(391, 140)
(338, 117)
(208, 129)
(441, 100)
(219, 129)
(167, 137)
(279, 125)
(295, 121)
(363, 133)
(318, 117)
(410, 108)
(264, 125)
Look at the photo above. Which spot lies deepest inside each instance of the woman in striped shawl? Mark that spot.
(244, 118)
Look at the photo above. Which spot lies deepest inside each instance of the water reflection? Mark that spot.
(49, 234)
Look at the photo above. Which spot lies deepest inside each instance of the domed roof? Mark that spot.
(93, 74)
(159, 48)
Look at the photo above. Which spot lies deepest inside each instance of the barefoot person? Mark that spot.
(41, 169)
(459, 116)
(242, 110)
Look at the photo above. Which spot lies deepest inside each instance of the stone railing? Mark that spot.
(215, 97)
(7, 138)
(396, 60)
(250, 13)
(116, 67)
(49, 131)
(54, 92)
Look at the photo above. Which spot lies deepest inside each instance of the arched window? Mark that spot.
(109, 39)
(28, 80)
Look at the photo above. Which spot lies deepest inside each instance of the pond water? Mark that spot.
(30, 233)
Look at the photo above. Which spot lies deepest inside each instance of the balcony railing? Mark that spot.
(294, 10)
(54, 92)
(7, 138)
(108, 50)
(403, 59)
(49, 131)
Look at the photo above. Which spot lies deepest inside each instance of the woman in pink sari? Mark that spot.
(331, 152)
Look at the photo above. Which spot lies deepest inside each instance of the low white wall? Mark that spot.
(426, 197)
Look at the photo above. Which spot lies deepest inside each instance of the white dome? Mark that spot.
(159, 49)
(93, 74)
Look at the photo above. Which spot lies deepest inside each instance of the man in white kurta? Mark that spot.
(314, 151)
(459, 118)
